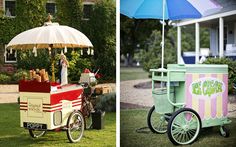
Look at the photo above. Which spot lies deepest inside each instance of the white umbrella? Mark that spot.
(51, 35)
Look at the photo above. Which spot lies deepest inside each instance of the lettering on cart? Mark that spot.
(35, 107)
(66, 104)
(34, 126)
(37, 126)
(207, 87)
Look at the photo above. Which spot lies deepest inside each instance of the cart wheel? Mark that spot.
(224, 131)
(36, 133)
(184, 126)
(75, 125)
(156, 122)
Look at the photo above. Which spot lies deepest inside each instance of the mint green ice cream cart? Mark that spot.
(191, 97)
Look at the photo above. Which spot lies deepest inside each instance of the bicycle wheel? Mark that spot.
(156, 122)
(184, 126)
(36, 133)
(75, 126)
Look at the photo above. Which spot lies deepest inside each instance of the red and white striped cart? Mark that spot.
(46, 106)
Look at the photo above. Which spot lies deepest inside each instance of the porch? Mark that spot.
(222, 37)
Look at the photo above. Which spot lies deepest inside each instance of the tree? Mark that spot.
(29, 14)
(135, 32)
(101, 30)
(151, 55)
(70, 13)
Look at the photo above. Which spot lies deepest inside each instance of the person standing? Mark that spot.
(64, 66)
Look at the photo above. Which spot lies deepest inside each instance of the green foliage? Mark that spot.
(4, 78)
(27, 60)
(135, 31)
(188, 38)
(30, 14)
(231, 69)
(106, 62)
(101, 31)
(8, 29)
(77, 65)
(19, 74)
(107, 102)
(70, 13)
(151, 57)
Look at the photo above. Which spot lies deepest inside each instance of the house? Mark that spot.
(222, 26)
(8, 58)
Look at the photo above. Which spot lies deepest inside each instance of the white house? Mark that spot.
(222, 27)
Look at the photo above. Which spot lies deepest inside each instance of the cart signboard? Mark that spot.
(207, 94)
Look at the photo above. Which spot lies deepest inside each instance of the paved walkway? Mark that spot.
(8, 93)
(130, 94)
(132, 97)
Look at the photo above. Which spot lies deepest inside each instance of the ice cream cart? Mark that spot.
(46, 106)
(191, 97)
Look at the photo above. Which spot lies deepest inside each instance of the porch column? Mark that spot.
(221, 37)
(197, 42)
(179, 44)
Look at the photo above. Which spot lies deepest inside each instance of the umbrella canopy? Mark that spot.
(173, 9)
(167, 10)
(50, 34)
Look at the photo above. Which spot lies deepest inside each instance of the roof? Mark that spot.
(229, 8)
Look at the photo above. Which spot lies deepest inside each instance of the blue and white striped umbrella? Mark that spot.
(167, 10)
(173, 9)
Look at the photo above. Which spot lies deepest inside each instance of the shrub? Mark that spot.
(231, 69)
(4, 78)
(19, 74)
(107, 102)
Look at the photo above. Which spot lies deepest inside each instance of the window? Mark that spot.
(9, 7)
(10, 55)
(51, 8)
(87, 10)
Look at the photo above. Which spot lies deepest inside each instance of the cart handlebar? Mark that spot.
(163, 70)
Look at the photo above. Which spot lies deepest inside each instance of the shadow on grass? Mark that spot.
(11, 135)
(133, 119)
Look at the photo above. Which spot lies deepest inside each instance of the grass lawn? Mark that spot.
(133, 119)
(12, 135)
(132, 73)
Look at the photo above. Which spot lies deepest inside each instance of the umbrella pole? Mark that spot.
(52, 62)
(163, 39)
(53, 68)
(163, 34)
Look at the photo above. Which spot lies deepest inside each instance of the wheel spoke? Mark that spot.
(177, 135)
(190, 135)
(177, 130)
(176, 125)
